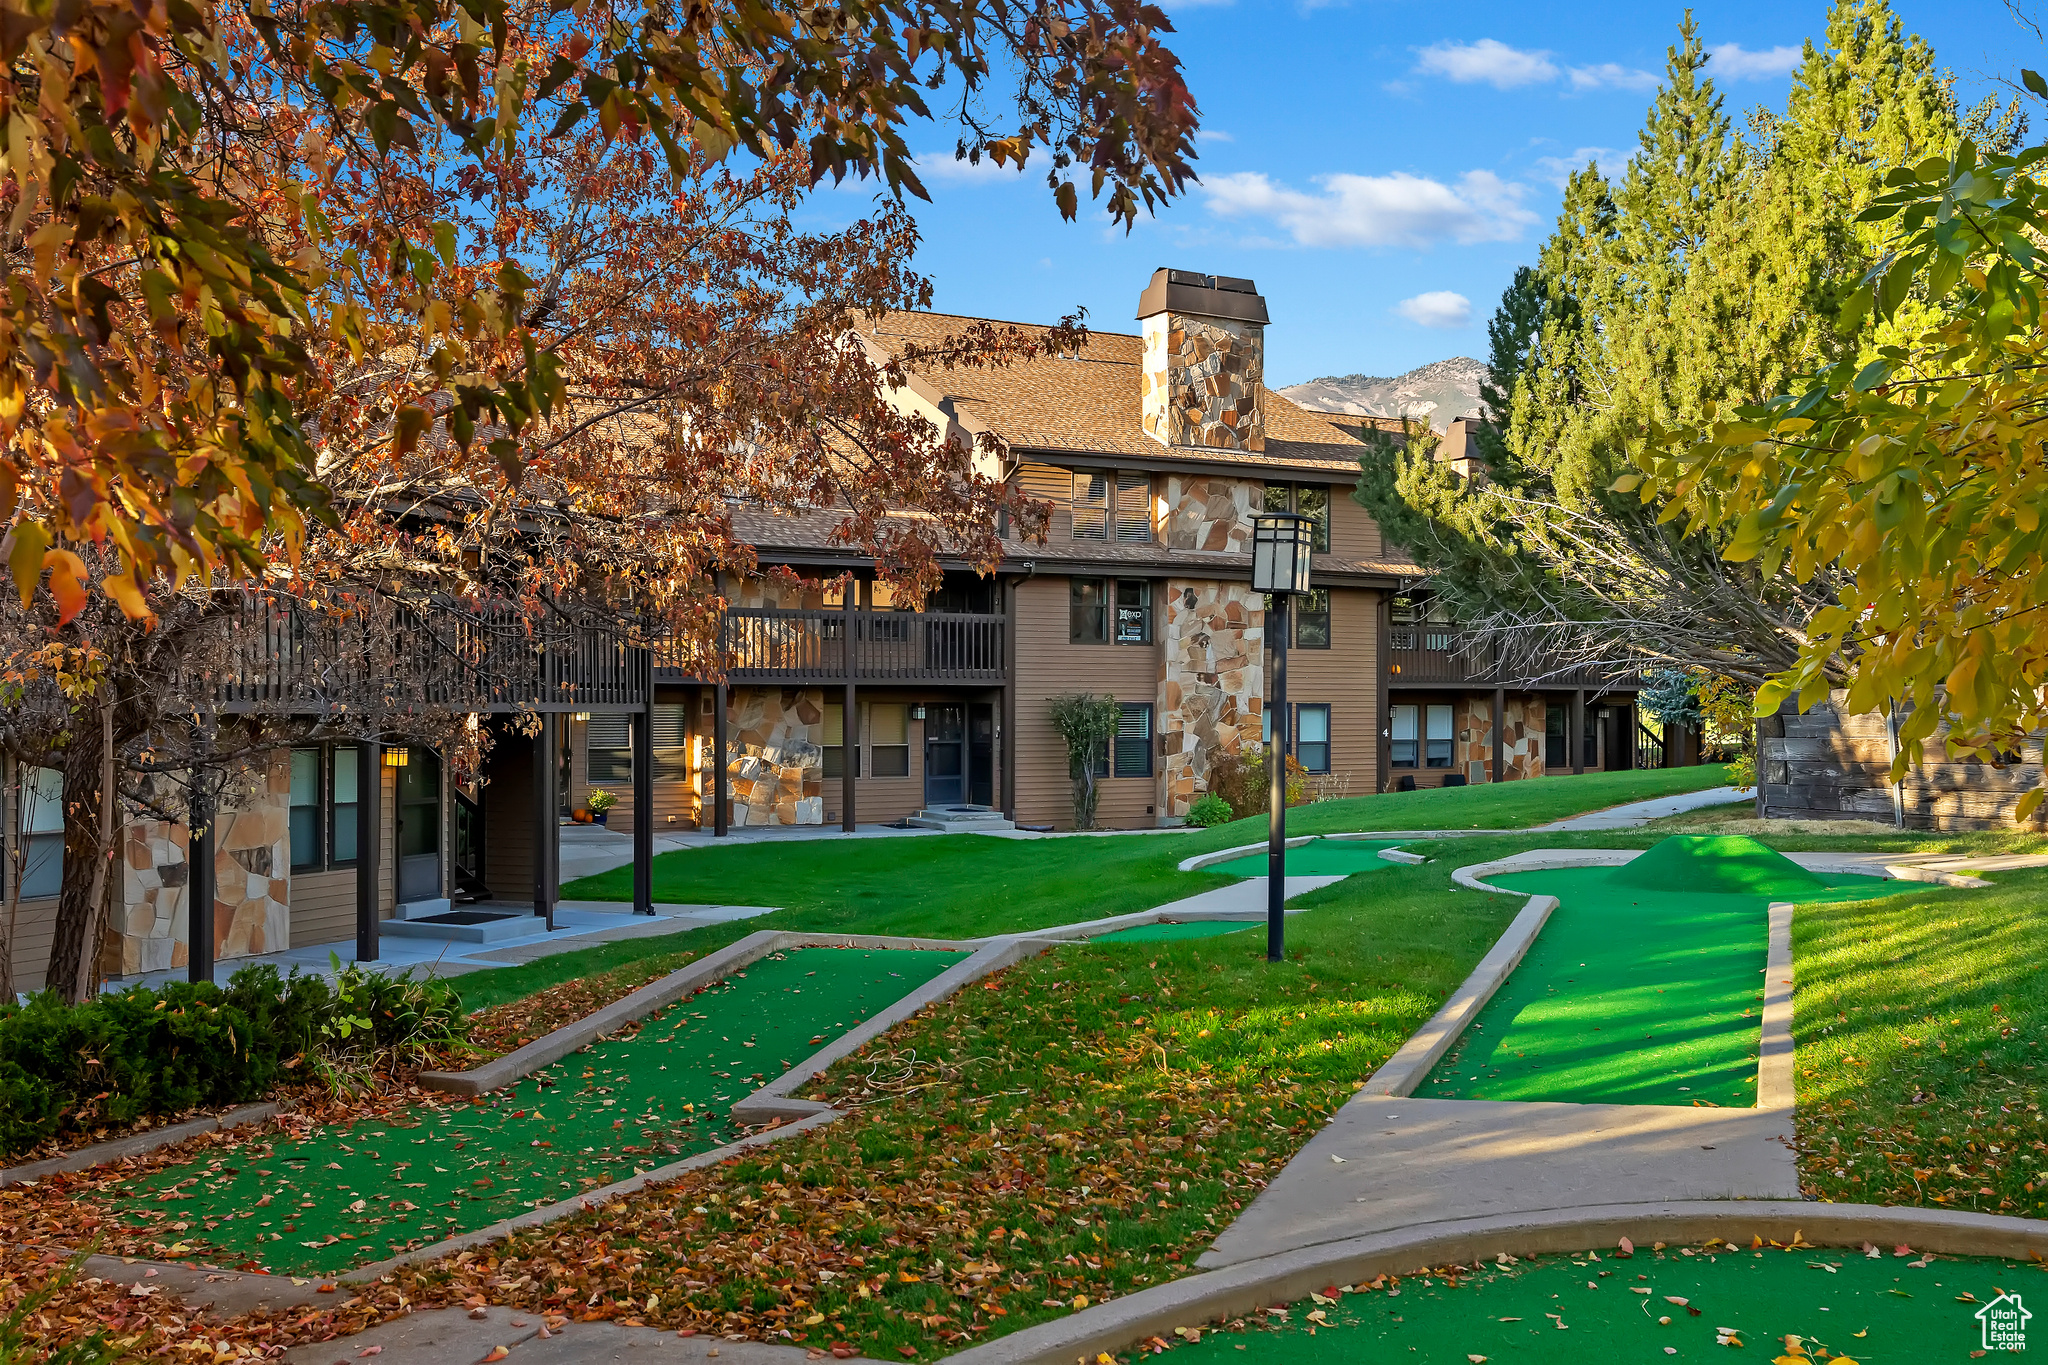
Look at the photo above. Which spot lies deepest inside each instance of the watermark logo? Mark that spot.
(2005, 1323)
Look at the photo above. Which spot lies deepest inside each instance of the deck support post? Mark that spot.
(1500, 734)
(643, 804)
(720, 784)
(849, 756)
(369, 825)
(547, 821)
(1577, 736)
(199, 881)
(1276, 807)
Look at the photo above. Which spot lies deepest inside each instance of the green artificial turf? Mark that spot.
(1166, 930)
(1323, 858)
(1628, 996)
(1724, 864)
(344, 1197)
(1569, 1310)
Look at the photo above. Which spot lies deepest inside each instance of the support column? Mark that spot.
(643, 806)
(369, 825)
(849, 757)
(199, 881)
(546, 823)
(1500, 734)
(1577, 738)
(720, 783)
(1006, 704)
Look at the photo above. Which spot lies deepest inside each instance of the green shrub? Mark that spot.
(1209, 809)
(150, 1051)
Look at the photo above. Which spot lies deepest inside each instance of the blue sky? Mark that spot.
(1379, 167)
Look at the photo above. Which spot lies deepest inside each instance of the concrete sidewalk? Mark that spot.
(1639, 813)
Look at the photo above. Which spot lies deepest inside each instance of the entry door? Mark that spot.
(419, 826)
(981, 753)
(945, 756)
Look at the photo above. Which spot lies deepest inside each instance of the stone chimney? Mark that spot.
(1203, 381)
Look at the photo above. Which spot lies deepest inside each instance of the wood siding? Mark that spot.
(1345, 677)
(508, 819)
(35, 923)
(1831, 765)
(1353, 532)
(1047, 665)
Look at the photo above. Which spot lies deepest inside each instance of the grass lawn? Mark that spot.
(1920, 1023)
(969, 885)
(1078, 1126)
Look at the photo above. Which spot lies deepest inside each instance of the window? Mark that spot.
(1134, 739)
(1405, 721)
(671, 742)
(1091, 505)
(608, 743)
(888, 740)
(1088, 611)
(1420, 620)
(1437, 737)
(1312, 738)
(1112, 506)
(342, 788)
(1556, 742)
(1133, 611)
(42, 832)
(1308, 500)
(835, 739)
(1312, 620)
(305, 816)
(1133, 506)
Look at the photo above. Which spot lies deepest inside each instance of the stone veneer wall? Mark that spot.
(1209, 512)
(775, 756)
(1473, 733)
(1202, 382)
(1211, 682)
(251, 868)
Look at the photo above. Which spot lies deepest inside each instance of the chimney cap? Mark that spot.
(1208, 296)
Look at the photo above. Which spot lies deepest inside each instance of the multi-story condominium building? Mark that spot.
(838, 705)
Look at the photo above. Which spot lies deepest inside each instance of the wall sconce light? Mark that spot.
(397, 757)
(581, 715)
(917, 711)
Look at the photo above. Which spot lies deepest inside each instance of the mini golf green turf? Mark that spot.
(1323, 858)
(1578, 1309)
(1155, 933)
(343, 1197)
(1628, 996)
(1725, 864)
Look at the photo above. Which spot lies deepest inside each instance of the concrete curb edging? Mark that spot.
(588, 1199)
(1538, 860)
(1244, 1288)
(1775, 1087)
(1224, 855)
(1398, 855)
(1402, 1072)
(1907, 872)
(139, 1144)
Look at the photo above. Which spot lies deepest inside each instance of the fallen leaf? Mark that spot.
(497, 1353)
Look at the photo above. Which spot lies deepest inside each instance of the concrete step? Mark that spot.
(960, 819)
(465, 926)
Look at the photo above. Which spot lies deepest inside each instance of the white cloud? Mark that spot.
(1558, 169)
(1732, 62)
(1213, 135)
(1437, 308)
(1488, 62)
(1612, 76)
(1379, 210)
(944, 167)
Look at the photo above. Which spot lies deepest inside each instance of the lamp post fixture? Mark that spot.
(1281, 545)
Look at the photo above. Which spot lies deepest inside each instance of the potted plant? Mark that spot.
(600, 803)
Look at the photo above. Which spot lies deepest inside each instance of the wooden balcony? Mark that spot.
(374, 653)
(774, 645)
(1432, 655)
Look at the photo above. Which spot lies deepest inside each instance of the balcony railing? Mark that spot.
(1430, 654)
(768, 644)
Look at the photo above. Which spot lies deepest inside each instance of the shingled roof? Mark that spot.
(1089, 404)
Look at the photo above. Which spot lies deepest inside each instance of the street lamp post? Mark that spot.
(1282, 543)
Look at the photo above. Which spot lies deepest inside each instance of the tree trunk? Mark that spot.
(90, 809)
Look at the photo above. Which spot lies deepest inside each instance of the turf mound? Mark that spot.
(1716, 864)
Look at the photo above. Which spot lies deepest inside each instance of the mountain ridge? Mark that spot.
(1438, 391)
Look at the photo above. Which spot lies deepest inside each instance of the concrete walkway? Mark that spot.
(450, 1336)
(1639, 813)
